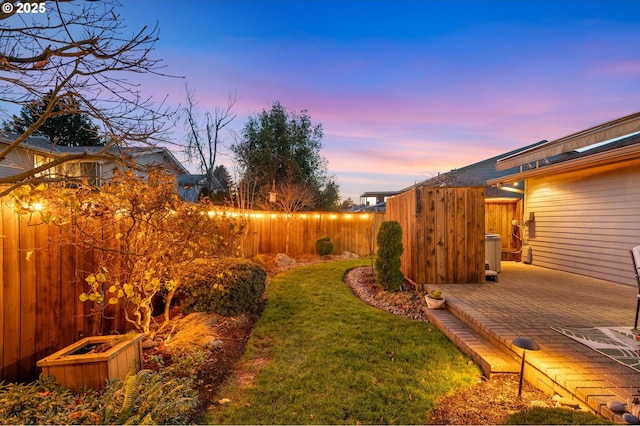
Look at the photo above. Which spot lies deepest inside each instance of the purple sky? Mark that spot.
(404, 90)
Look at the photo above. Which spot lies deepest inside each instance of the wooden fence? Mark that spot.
(352, 232)
(443, 234)
(40, 310)
(42, 276)
(499, 216)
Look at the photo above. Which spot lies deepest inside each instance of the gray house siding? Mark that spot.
(586, 221)
(17, 161)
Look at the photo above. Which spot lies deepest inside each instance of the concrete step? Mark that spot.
(490, 359)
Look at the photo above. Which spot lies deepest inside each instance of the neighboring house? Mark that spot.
(582, 200)
(36, 151)
(190, 186)
(374, 201)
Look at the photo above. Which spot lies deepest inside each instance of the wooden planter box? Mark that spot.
(75, 369)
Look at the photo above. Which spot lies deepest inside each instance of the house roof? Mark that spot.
(626, 148)
(476, 174)
(144, 156)
(602, 132)
(375, 194)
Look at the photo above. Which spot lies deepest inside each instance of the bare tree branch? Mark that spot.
(202, 144)
(82, 50)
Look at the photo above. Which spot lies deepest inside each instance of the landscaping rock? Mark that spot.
(349, 255)
(148, 344)
(210, 342)
(616, 406)
(407, 303)
(284, 261)
(630, 419)
(565, 402)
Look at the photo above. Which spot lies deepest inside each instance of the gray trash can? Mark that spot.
(493, 251)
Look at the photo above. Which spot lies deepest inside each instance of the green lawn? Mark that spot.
(321, 356)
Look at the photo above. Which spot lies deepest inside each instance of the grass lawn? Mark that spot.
(321, 356)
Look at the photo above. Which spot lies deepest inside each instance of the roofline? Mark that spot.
(166, 151)
(379, 193)
(607, 157)
(600, 133)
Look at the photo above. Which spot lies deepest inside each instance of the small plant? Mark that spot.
(436, 294)
(324, 246)
(390, 249)
(435, 299)
(149, 397)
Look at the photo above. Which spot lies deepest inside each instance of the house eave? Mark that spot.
(600, 133)
(615, 155)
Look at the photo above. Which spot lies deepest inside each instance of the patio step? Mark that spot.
(490, 359)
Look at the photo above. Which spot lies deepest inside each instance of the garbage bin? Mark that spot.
(493, 251)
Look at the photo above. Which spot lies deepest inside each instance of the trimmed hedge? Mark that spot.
(390, 249)
(227, 286)
(324, 246)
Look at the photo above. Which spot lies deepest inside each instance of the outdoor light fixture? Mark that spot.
(526, 344)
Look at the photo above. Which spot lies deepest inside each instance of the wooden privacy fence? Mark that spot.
(499, 216)
(352, 232)
(42, 276)
(443, 231)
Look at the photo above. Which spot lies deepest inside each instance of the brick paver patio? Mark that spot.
(527, 301)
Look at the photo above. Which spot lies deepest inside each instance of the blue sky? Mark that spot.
(403, 89)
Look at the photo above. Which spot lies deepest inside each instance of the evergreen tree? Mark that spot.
(66, 126)
(282, 147)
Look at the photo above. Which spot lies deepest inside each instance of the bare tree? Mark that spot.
(80, 51)
(291, 197)
(242, 198)
(202, 143)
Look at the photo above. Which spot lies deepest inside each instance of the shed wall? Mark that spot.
(443, 234)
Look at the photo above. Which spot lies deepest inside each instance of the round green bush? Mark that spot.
(324, 246)
(226, 286)
(390, 249)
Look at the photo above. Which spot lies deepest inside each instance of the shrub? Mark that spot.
(147, 397)
(390, 249)
(226, 286)
(324, 246)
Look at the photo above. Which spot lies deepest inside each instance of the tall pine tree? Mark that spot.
(67, 126)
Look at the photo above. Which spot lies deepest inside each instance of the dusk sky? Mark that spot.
(403, 89)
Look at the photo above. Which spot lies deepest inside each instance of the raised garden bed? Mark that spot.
(92, 361)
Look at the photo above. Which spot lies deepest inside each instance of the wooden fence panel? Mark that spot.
(2, 291)
(267, 232)
(27, 296)
(500, 213)
(444, 234)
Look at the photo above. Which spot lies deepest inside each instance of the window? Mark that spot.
(70, 170)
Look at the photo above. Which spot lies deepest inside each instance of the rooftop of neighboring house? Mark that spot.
(145, 156)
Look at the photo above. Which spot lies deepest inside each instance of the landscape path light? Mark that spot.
(525, 344)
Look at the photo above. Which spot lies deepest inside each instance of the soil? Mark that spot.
(487, 402)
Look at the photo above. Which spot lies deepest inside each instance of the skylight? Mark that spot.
(599, 144)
